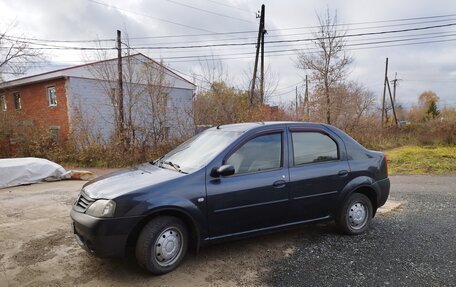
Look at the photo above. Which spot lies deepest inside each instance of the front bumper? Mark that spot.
(104, 237)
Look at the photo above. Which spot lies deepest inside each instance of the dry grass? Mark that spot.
(422, 160)
(410, 153)
(420, 134)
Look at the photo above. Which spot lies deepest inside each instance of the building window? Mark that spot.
(17, 101)
(52, 96)
(55, 131)
(3, 102)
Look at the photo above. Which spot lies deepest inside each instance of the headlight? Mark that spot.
(102, 208)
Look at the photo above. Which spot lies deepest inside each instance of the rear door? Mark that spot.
(256, 196)
(318, 172)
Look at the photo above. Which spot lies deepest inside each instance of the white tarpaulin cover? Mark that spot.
(26, 170)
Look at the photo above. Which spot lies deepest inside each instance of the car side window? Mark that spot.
(261, 153)
(310, 147)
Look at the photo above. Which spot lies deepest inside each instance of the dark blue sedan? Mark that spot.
(227, 182)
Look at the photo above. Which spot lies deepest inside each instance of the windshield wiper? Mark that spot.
(171, 164)
(157, 161)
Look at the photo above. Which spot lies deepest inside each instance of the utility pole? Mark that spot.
(306, 100)
(120, 107)
(384, 108)
(296, 107)
(394, 87)
(384, 91)
(392, 105)
(263, 31)
(255, 67)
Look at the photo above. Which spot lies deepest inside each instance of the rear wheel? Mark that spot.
(355, 215)
(162, 244)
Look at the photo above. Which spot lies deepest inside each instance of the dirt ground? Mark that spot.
(37, 248)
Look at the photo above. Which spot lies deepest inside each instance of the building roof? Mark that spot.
(86, 71)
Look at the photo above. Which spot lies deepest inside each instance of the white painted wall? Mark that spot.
(87, 97)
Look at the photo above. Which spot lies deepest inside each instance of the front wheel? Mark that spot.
(355, 215)
(162, 244)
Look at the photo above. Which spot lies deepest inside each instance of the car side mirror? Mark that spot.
(224, 170)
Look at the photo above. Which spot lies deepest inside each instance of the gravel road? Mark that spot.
(413, 245)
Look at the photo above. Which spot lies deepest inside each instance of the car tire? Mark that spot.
(162, 244)
(355, 214)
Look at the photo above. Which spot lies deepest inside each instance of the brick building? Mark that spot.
(55, 99)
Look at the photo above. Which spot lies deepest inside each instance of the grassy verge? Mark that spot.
(422, 160)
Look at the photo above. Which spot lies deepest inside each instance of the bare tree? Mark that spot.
(271, 82)
(151, 112)
(214, 99)
(156, 103)
(220, 104)
(16, 54)
(106, 72)
(352, 102)
(328, 65)
(219, 101)
(209, 71)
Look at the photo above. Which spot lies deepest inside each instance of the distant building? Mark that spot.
(60, 99)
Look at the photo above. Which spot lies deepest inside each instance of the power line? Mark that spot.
(294, 50)
(13, 38)
(244, 38)
(400, 40)
(53, 45)
(442, 34)
(283, 93)
(372, 22)
(297, 40)
(208, 11)
(293, 53)
(269, 35)
(284, 52)
(248, 31)
(160, 64)
(289, 86)
(151, 17)
(159, 19)
(231, 6)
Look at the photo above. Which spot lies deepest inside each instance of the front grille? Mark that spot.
(83, 202)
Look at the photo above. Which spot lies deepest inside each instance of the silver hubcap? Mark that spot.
(357, 215)
(168, 246)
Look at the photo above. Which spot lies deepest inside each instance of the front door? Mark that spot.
(256, 196)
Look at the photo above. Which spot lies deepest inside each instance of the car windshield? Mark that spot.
(199, 150)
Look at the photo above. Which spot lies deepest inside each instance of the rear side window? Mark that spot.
(261, 153)
(310, 147)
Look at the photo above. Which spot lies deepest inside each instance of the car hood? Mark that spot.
(124, 181)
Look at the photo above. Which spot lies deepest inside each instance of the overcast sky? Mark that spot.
(420, 67)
